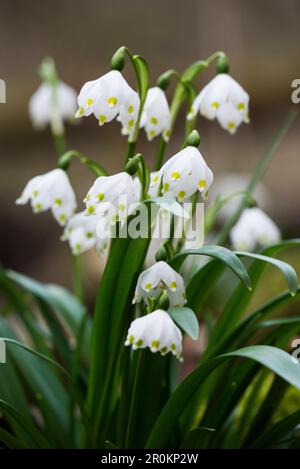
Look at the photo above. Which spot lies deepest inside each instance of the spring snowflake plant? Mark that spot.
(112, 377)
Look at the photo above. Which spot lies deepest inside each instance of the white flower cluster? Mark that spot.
(108, 97)
(254, 228)
(52, 105)
(158, 332)
(222, 99)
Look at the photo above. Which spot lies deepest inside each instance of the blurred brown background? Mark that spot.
(261, 38)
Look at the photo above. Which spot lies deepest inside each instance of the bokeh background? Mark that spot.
(262, 40)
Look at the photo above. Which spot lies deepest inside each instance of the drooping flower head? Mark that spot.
(117, 190)
(224, 99)
(52, 105)
(108, 97)
(158, 278)
(81, 232)
(53, 191)
(158, 332)
(253, 229)
(185, 173)
(156, 114)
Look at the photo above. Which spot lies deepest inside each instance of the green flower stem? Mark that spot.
(180, 96)
(142, 75)
(77, 278)
(66, 159)
(258, 173)
(59, 143)
(134, 397)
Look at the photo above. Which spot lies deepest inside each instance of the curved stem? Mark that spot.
(65, 161)
(181, 94)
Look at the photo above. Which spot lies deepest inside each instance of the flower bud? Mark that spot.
(132, 165)
(118, 59)
(222, 65)
(164, 79)
(161, 254)
(193, 139)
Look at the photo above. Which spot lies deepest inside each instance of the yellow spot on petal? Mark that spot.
(131, 339)
(231, 125)
(131, 123)
(102, 119)
(166, 187)
(122, 207)
(164, 350)
(38, 206)
(153, 120)
(58, 202)
(215, 105)
(173, 347)
(89, 234)
(112, 101)
(241, 106)
(79, 112)
(78, 247)
(151, 134)
(35, 193)
(155, 344)
(148, 286)
(100, 196)
(173, 285)
(139, 343)
(130, 109)
(155, 179)
(89, 101)
(201, 183)
(88, 197)
(90, 209)
(181, 195)
(62, 218)
(175, 175)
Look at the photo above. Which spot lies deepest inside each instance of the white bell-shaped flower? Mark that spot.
(158, 332)
(107, 97)
(254, 228)
(129, 112)
(117, 191)
(185, 173)
(222, 98)
(158, 278)
(53, 191)
(81, 233)
(156, 117)
(52, 105)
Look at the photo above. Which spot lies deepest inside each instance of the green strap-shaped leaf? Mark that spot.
(224, 255)
(288, 271)
(278, 431)
(10, 440)
(186, 319)
(38, 440)
(273, 358)
(239, 300)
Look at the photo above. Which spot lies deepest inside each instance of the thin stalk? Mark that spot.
(59, 143)
(258, 173)
(180, 95)
(134, 398)
(130, 151)
(77, 277)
